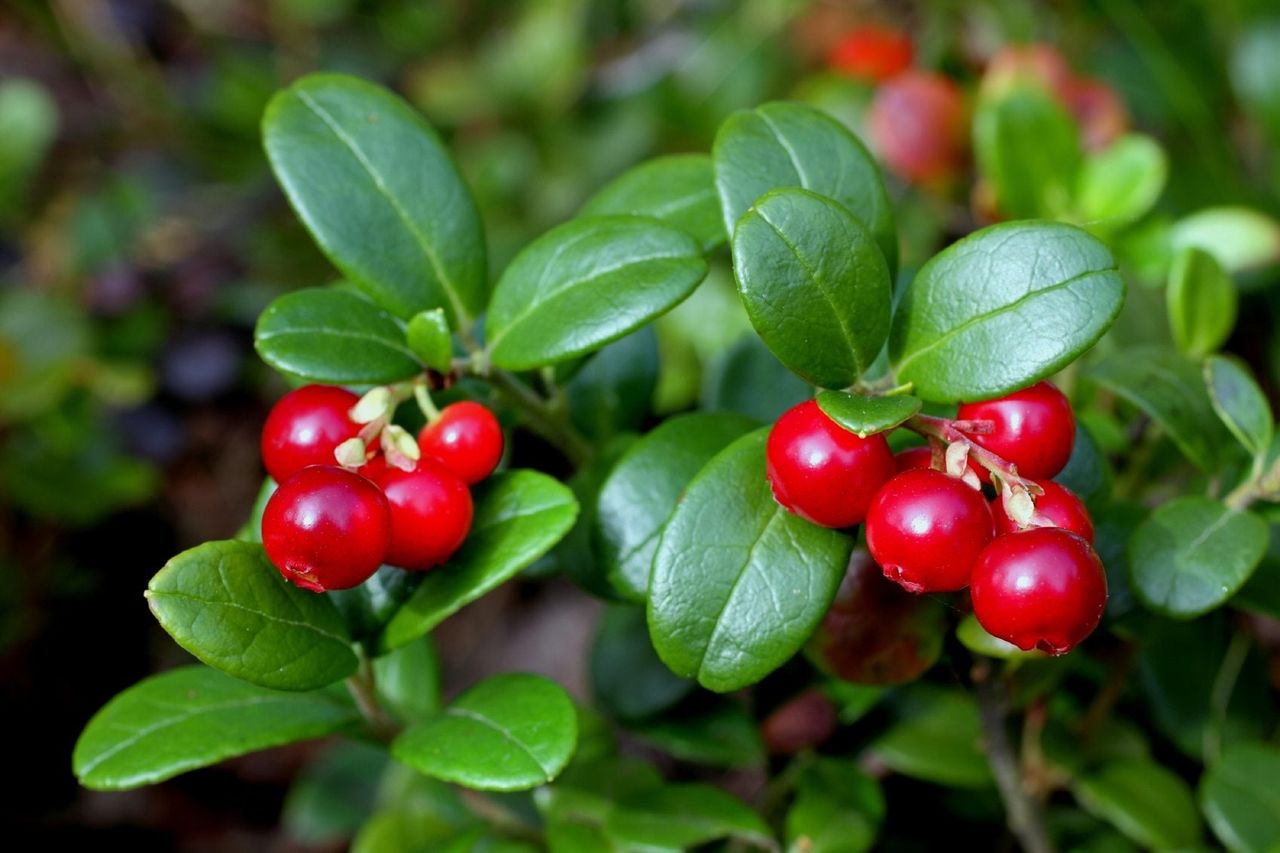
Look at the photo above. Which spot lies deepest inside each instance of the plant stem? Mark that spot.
(949, 432)
(546, 420)
(1022, 812)
(506, 821)
(1224, 684)
(364, 691)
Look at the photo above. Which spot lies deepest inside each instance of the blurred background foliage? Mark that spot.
(141, 233)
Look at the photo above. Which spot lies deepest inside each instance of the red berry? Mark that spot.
(1032, 428)
(326, 528)
(1098, 110)
(1022, 64)
(919, 124)
(430, 513)
(805, 722)
(913, 457)
(926, 529)
(466, 439)
(1057, 507)
(872, 53)
(304, 427)
(821, 471)
(1042, 588)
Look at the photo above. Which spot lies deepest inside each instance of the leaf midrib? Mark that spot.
(154, 594)
(476, 716)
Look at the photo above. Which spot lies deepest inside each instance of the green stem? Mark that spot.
(504, 820)
(1220, 694)
(364, 690)
(546, 420)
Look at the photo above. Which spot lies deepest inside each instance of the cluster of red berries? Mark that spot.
(330, 525)
(1028, 559)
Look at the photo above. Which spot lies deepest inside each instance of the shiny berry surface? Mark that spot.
(1057, 507)
(466, 439)
(1040, 589)
(304, 427)
(1033, 428)
(918, 123)
(872, 53)
(913, 458)
(822, 472)
(430, 513)
(926, 529)
(326, 528)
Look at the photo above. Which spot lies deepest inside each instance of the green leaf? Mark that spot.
(1028, 148)
(739, 583)
(733, 380)
(330, 799)
(1171, 389)
(1193, 553)
(721, 735)
(1122, 182)
(325, 335)
(815, 286)
(1202, 302)
(613, 391)
(428, 337)
(1149, 804)
(1002, 308)
(379, 193)
(519, 515)
(783, 144)
(368, 608)
(678, 189)
(586, 283)
(1240, 797)
(508, 733)
(975, 638)
(226, 604)
(864, 416)
(1245, 241)
(408, 679)
(627, 678)
(938, 739)
(683, 816)
(837, 809)
(641, 491)
(1240, 403)
(193, 717)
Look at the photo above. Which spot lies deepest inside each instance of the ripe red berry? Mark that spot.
(304, 427)
(821, 471)
(1042, 588)
(872, 53)
(1097, 109)
(326, 528)
(912, 458)
(1032, 428)
(1057, 507)
(430, 513)
(926, 529)
(919, 125)
(466, 439)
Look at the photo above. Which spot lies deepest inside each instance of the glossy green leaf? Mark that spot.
(1002, 308)
(641, 491)
(429, 338)
(332, 336)
(507, 733)
(1202, 302)
(368, 608)
(678, 817)
(226, 604)
(814, 284)
(975, 638)
(193, 717)
(1245, 241)
(1028, 149)
(739, 583)
(723, 734)
(1240, 403)
(938, 739)
(408, 679)
(380, 194)
(1193, 553)
(1122, 182)
(678, 189)
(1149, 804)
(1170, 388)
(784, 144)
(1240, 797)
(519, 516)
(586, 283)
(865, 416)
(837, 809)
(612, 393)
(733, 381)
(627, 678)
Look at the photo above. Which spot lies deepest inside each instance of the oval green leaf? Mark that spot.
(508, 733)
(640, 492)
(814, 283)
(519, 516)
(226, 604)
(938, 739)
(680, 817)
(586, 283)
(379, 193)
(1028, 148)
(1202, 302)
(1193, 553)
(678, 189)
(193, 717)
(627, 679)
(332, 336)
(1002, 308)
(1240, 797)
(1120, 183)
(837, 809)
(1240, 403)
(864, 416)
(723, 734)
(739, 583)
(428, 337)
(784, 144)
(1149, 804)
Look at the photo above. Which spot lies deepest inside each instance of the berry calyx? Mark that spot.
(1057, 507)
(872, 53)
(1033, 428)
(1039, 589)
(821, 471)
(430, 511)
(466, 439)
(304, 427)
(326, 528)
(926, 529)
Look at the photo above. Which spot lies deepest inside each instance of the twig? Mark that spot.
(364, 691)
(542, 418)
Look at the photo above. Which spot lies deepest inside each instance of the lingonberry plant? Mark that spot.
(779, 584)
